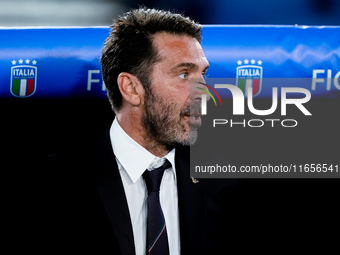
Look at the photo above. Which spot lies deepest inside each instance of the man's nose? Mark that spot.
(198, 88)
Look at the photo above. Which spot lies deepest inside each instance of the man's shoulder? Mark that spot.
(80, 158)
(73, 172)
(72, 157)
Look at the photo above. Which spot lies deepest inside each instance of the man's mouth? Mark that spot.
(195, 119)
(192, 113)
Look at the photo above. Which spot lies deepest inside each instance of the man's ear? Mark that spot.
(131, 88)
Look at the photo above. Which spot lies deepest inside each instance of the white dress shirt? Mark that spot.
(133, 160)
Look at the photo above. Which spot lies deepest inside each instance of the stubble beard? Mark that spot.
(163, 124)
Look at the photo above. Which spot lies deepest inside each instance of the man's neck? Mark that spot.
(136, 131)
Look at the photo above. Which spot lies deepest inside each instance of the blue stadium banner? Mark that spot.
(65, 62)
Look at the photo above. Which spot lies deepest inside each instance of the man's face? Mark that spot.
(171, 113)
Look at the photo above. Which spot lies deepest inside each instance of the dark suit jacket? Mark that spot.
(77, 204)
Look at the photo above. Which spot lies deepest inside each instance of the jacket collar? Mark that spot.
(111, 191)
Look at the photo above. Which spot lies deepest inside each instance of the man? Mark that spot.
(97, 192)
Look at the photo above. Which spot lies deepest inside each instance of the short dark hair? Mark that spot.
(129, 47)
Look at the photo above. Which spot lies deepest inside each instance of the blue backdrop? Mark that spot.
(64, 62)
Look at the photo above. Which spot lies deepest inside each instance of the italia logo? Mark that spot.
(23, 78)
(249, 75)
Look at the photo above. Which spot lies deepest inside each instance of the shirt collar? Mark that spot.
(133, 157)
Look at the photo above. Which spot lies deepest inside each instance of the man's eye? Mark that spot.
(204, 74)
(183, 75)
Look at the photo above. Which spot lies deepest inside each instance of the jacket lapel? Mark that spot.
(191, 203)
(111, 191)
